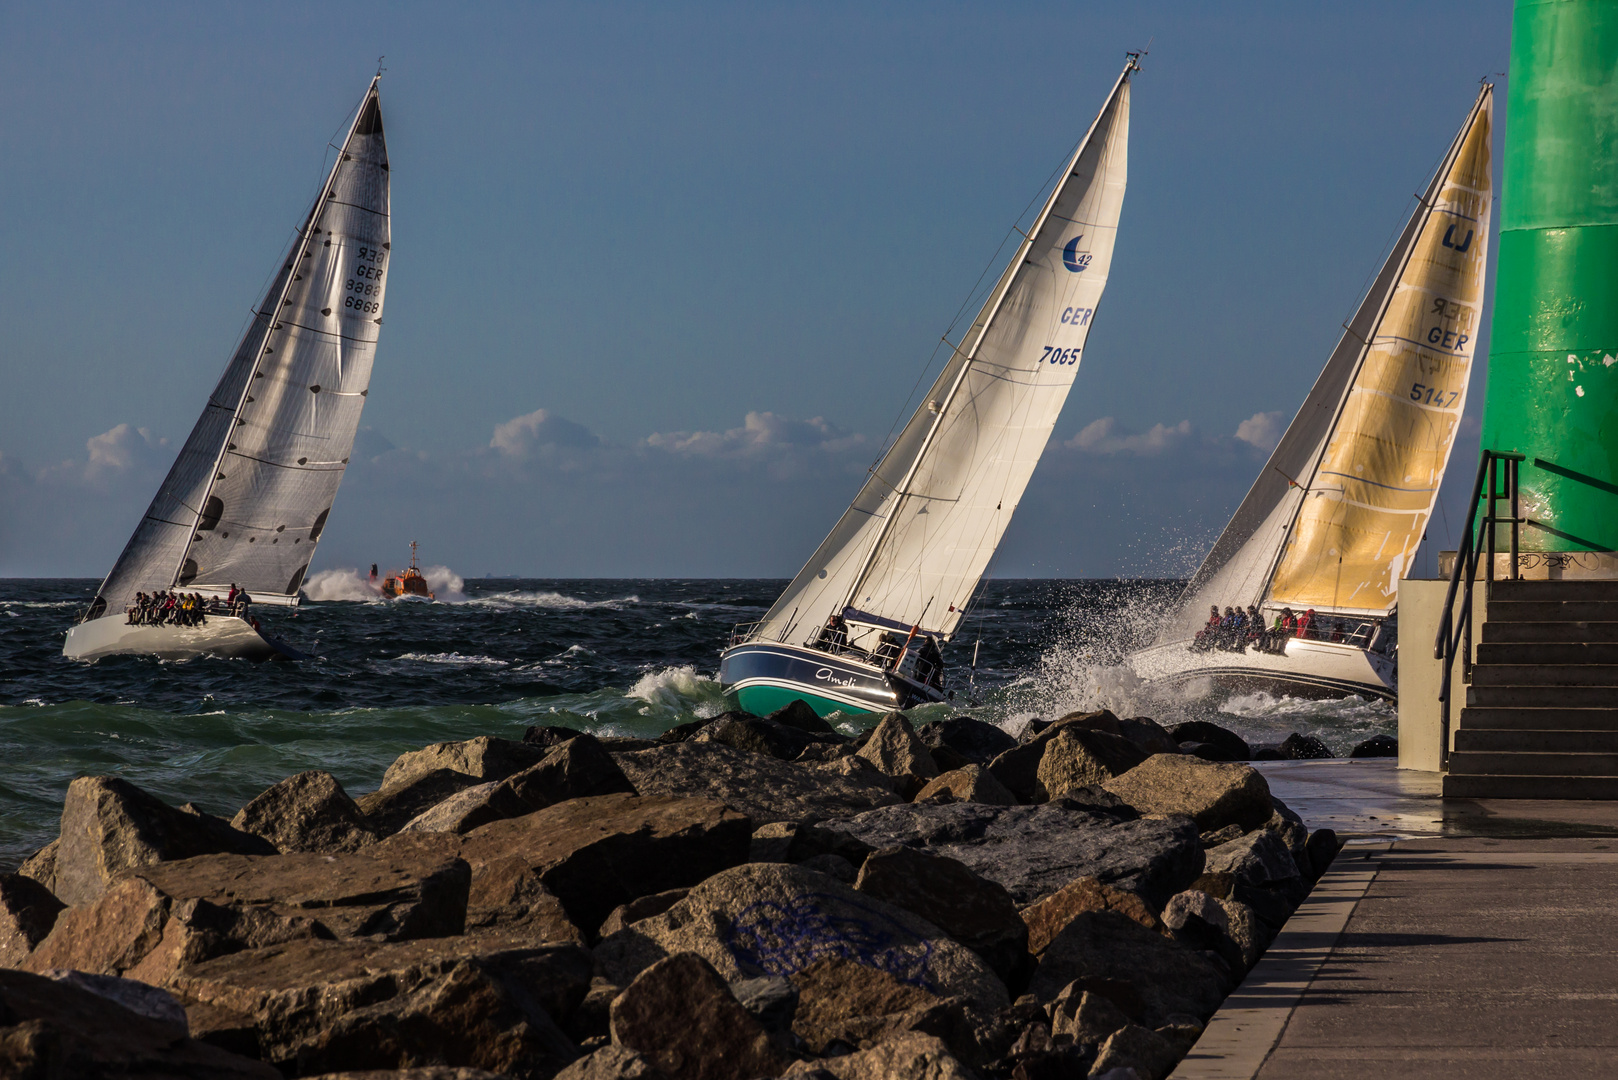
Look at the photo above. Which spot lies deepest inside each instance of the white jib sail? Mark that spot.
(1335, 517)
(249, 495)
(916, 541)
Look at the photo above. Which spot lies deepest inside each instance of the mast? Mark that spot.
(941, 408)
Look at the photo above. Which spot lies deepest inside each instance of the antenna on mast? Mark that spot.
(379, 68)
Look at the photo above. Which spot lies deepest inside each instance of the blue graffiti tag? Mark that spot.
(783, 938)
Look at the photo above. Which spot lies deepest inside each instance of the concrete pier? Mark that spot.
(1451, 937)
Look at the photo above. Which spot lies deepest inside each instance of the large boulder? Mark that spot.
(976, 741)
(911, 1056)
(898, 754)
(970, 783)
(41, 865)
(508, 895)
(28, 910)
(53, 1028)
(774, 919)
(1034, 850)
(110, 825)
(1018, 768)
(1150, 736)
(840, 1002)
(306, 812)
(389, 810)
(575, 768)
(680, 1014)
(596, 853)
(760, 787)
(484, 758)
(973, 910)
(1104, 946)
(757, 736)
(1259, 859)
(1213, 794)
(1231, 745)
(1075, 758)
(611, 1063)
(1050, 915)
(324, 1006)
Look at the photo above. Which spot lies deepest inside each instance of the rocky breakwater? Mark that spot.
(744, 897)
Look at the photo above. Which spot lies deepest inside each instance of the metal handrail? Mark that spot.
(1455, 633)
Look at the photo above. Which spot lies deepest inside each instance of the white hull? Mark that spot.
(1307, 669)
(221, 635)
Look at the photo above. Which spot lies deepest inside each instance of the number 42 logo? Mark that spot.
(1074, 259)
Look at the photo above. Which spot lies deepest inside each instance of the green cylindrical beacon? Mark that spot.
(1553, 357)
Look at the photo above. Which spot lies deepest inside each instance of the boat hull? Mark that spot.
(1315, 669)
(765, 677)
(221, 635)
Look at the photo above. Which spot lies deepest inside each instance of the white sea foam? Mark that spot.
(456, 659)
(447, 586)
(676, 688)
(546, 599)
(346, 584)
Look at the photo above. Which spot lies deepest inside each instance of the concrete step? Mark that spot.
(1546, 675)
(1561, 652)
(1552, 611)
(1603, 589)
(1529, 787)
(1542, 697)
(1509, 741)
(1497, 719)
(1549, 631)
(1509, 764)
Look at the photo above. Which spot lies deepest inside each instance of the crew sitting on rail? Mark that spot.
(834, 635)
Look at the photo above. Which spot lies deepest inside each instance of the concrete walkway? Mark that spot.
(1426, 952)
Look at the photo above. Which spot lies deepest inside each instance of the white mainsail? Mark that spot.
(1341, 506)
(916, 541)
(249, 495)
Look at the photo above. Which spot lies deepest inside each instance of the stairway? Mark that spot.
(1541, 713)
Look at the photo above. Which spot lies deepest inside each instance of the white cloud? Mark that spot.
(525, 436)
(1104, 436)
(761, 432)
(1261, 430)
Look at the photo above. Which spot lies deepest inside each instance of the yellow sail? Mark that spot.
(1369, 498)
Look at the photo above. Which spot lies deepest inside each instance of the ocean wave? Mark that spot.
(676, 688)
(456, 659)
(346, 584)
(553, 601)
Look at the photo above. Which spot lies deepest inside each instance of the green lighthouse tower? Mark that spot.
(1553, 358)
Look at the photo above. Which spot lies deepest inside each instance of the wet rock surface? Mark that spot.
(761, 787)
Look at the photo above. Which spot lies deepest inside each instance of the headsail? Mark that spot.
(917, 539)
(249, 495)
(1338, 512)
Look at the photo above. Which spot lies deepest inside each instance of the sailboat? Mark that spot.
(1339, 510)
(862, 627)
(251, 492)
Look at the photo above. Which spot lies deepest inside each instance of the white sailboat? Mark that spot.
(861, 628)
(1336, 516)
(250, 493)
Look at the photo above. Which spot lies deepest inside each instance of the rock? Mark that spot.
(41, 865)
(772, 1000)
(549, 737)
(1034, 850)
(903, 1057)
(845, 1004)
(27, 913)
(466, 810)
(1201, 922)
(483, 758)
(1246, 930)
(1376, 746)
(771, 919)
(978, 742)
(824, 753)
(757, 736)
(1148, 735)
(596, 853)
(1102, 720)
(1288, 827)
(1222, 836)
(1031, 729)
(429, 1072)
(832, 865)
(1321, 849)
(772, 842)
(106, 937)
(1267, 753)
(1210, 752)
(971, 783)
(796, 842)
(318, 1006)
(680, 1014)
(1218, 886)
(799, 714)
(1201, 731)
(591, 1022)
(1076, 758)
(51, 1028)
(309, 811)
(850, 766)
(390, 809)
(1084, 1016)
(137, 997)
(682, 732)
(974, 911)
(507, 894)
(578, 768)
(1049, 916)
(946, 759)
(894, 749)
(1300, 747)
(1018, 768)
(1167, 977)
(612, 1063)
(760, 787)
(1214, 795)
(626, 744)
(1259, 859)
(1139, 1048)
(110, 825)
(643, 907)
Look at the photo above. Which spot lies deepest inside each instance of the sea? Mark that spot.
(492, 656)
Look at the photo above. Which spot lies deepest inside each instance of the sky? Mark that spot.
(666, 275)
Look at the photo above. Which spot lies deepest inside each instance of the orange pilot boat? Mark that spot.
(408, 584)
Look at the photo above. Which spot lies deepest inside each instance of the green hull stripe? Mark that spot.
(763, 700)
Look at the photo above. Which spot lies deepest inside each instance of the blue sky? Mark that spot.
(664, 275)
